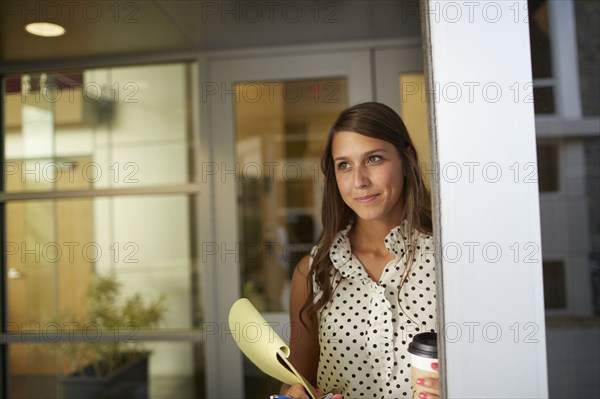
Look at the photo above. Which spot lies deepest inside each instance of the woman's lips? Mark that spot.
(367, 198)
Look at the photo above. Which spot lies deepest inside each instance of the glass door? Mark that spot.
(29, 227)
(404, 67)
(269, 120)
(278, 145)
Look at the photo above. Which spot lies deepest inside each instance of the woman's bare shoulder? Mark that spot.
(303, 267)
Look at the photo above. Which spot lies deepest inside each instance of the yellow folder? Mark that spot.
(261, 344)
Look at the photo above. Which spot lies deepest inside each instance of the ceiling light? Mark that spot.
(45, 29)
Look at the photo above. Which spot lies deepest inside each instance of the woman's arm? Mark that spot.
(304, 348)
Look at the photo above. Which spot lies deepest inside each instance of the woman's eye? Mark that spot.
(343, 165)
(375, 158)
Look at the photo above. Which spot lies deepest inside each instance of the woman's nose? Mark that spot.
(361, 178)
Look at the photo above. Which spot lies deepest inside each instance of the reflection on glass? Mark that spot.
(109, 127)
(56, 248)
(45, 273)
(548, 165)
(539, 38)
(281, 129)
(105, 128)
(540, 42)
(413, 110)
(543, 100)
(554, 283)
(156, 377)
(568, 183)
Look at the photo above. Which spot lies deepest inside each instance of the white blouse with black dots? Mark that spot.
(365, 329)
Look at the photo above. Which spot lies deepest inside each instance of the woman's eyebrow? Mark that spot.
(364, 154)
(375, 150)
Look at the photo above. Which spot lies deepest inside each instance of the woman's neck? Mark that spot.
(370, 235)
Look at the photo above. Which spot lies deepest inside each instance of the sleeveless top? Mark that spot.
(365, 329)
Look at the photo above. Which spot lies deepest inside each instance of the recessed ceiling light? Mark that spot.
(45, 29)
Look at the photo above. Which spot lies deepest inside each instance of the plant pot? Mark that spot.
(128, 381)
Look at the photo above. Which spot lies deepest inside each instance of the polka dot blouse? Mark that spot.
(365, 329)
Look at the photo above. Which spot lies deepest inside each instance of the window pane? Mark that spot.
(543, 100)
(592, 167)
(554, 285)
(138, 245)
(281, 131)
(173, 370)
(105, 127)
(57, 248)
(539, 38)
(548, 165)
(541, 57)
(413, 109)
(588, 56)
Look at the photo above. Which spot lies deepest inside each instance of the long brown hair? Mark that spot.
(381, 122)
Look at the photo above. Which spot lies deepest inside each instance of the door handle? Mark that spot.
(14, 273)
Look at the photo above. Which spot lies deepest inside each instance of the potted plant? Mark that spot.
(115, 369)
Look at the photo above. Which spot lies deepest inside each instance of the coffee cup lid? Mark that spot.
(424, 344)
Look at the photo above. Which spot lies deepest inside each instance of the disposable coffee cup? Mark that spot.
(423, 352)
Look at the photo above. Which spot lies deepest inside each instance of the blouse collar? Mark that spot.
(342, 259)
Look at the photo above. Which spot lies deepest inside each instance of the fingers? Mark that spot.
(428, 382)
(297, 391)
(426, 395)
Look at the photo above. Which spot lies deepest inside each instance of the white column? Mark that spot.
(487, 208)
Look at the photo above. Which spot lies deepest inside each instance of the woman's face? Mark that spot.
(369, 176)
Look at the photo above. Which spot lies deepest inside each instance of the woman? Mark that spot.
(368, 285)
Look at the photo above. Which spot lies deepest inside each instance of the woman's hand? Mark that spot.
(432, 384)
(296, 391)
